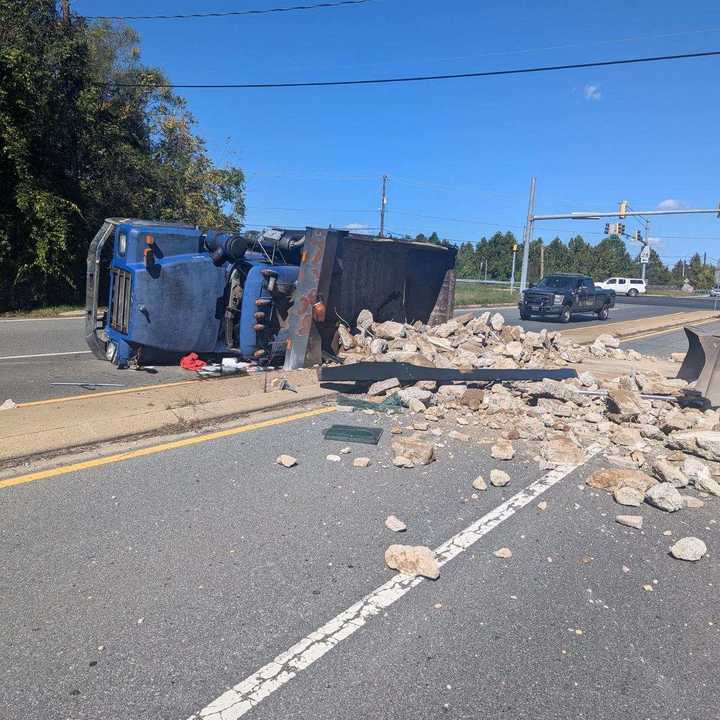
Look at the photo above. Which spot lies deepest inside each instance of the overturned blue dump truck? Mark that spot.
(156, 291)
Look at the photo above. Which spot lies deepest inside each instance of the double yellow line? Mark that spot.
(155, 449)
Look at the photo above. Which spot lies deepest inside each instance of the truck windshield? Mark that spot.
(559, 282)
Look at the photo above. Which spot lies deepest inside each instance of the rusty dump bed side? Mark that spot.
(346, 273)
(394, 279)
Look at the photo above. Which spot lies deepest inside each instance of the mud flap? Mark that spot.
(701, 364)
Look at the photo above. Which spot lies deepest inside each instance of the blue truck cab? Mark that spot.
(174, 287)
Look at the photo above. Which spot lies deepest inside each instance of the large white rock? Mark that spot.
(382, 386)
(414, 449)
(688, 548)
(562, 451)
(666, 471)
(389, 330)
(502, 450)
(705, 443)
(629, 496)
(497, 321)
(665, 497)
(412, 560)
(499, 478)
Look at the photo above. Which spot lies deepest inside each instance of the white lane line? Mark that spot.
(42, 355)
(248, 693)
(70, 317)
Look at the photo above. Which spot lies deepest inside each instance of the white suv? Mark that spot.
(632, 287)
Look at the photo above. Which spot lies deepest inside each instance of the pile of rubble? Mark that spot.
(467, 341)
(657, 449)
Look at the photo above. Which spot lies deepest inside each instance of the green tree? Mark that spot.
(558, 257)
(656, 272)
(678, 272)
(75, 148)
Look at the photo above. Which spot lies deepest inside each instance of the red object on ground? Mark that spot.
(192, 362)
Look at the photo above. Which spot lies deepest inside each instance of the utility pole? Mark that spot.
(486, 268)
(527, 239)
(704, 259)
(65, 11)
(383, 203)
(512, 273)
(542, 259)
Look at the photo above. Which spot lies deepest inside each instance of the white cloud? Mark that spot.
(592, 92)
(670, 204)
(655, 241)
(358, 227)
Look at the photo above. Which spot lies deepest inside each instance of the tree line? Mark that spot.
(76, 147)
(491, 258)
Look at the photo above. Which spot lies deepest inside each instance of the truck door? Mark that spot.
(586, 295)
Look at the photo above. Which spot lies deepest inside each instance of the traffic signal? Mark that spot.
(514, 247)
(620, 229)
(607, 228)
(623, 209)
(638, 236)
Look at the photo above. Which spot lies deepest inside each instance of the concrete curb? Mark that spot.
(628, 329)
(58, 428)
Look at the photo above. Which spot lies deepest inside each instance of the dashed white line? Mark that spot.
(251, 691)
(42, 355)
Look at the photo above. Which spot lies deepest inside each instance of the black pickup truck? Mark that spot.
(563, 295)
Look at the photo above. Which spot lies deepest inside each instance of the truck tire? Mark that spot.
(525, 315)
(565, 315)
(632, 292)
(603, 312)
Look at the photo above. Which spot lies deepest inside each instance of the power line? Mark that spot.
(228, 13)
(418, 78)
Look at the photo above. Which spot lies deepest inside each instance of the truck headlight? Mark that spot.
(111, 351)
(558, 299)
(122, 244)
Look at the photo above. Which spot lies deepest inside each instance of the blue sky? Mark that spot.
(459, 153)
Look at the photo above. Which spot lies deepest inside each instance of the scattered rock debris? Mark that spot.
(361, 462)
(503, 553)
(653, 448)
(287, 461)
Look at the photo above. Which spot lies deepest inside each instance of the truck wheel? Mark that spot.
(565, 315)
(632, 292)
(603, 312)
(525, 315)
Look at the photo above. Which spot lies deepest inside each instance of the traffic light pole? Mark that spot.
(621, 213)
(527, 237)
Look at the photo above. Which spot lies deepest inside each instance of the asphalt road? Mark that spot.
(629, 311)
(146, 588)
(35, 353)
(664, 344)
(691, 303)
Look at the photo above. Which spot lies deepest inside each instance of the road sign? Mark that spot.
(645, 254)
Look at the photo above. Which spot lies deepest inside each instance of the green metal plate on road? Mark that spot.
(353, 433)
